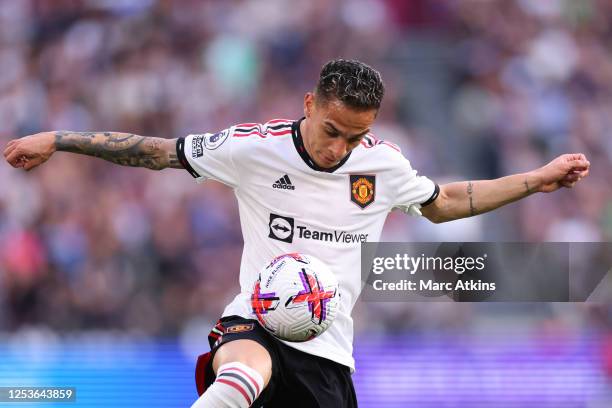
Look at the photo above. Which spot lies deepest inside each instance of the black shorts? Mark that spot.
(298, 379)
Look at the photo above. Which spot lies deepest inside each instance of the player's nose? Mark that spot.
(339, 149)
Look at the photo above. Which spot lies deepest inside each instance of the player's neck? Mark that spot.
(305, 132)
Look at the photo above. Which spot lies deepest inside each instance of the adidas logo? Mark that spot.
(283, 183)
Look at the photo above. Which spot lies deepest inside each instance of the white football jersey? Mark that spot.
(288, 204)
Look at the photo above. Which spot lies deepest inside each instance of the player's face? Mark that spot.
(333, 129)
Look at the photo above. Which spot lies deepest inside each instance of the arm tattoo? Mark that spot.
(470, 190)
(174, 161)
(120, 148)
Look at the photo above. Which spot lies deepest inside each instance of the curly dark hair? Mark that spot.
(352, 82)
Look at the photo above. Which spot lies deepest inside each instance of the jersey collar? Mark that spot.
(301, 149)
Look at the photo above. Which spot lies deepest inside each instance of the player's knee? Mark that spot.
(247, 352)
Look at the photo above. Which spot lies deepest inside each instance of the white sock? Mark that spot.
(236, 386)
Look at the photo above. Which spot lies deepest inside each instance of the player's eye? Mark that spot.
(331, 132)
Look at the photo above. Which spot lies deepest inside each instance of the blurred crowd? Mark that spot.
(475, 89)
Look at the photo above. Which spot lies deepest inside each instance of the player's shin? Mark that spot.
(236, 386)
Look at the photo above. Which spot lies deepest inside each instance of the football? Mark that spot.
(295, 297)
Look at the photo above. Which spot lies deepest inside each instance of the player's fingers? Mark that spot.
(13, 156)
(30, 164)
(568, 184)
(9, 148)
(572, 177)
(584, 163)
(576, 156)
(584, 173)
(17, 160)
(17, 163)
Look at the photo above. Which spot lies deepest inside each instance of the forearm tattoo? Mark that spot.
(470, 191)
(120, 148)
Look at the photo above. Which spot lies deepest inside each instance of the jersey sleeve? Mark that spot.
(209, 156)
(414, 191)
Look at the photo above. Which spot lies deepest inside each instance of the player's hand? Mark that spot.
(30, 151)
(564, 171)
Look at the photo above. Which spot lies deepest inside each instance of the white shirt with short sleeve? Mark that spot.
(327, 213)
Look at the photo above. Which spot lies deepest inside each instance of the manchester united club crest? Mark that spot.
(363, 189)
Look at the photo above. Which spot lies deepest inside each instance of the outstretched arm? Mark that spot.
(120, 148)
(469, 198)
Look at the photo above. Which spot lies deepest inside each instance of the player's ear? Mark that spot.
(308, 104)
